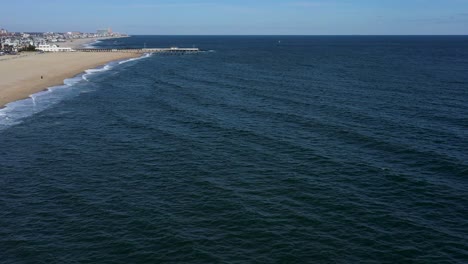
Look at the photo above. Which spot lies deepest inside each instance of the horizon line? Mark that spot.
(300, 35)
(128, 34)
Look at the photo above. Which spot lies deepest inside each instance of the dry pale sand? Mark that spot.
(21, 77)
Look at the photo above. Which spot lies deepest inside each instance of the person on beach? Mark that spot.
(42, 77)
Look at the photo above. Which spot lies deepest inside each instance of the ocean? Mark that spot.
(260, 149)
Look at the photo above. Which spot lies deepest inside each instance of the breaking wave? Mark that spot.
(13, 113)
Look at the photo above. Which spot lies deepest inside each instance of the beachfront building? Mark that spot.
(53, 48)
(8, 48)
(10, 45)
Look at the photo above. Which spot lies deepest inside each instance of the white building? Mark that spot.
(53, 48)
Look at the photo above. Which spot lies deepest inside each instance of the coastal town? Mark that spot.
(13, 42)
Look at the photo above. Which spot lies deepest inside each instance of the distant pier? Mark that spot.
(173, 50)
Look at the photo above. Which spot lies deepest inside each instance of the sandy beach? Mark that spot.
(77, 43)
(20, 76)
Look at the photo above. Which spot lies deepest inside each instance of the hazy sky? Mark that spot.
(315, 17)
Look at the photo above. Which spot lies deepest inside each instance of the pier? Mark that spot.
(172, 50)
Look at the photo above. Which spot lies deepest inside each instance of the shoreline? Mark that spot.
(81, 43)
(21, 77)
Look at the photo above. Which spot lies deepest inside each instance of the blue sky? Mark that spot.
(297, 17)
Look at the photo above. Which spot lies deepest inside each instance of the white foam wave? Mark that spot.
(93, 71)
(72, 81)
(92, 44)
(146, 55)
(13, 113)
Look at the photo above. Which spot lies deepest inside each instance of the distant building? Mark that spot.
(53, 48)
(74, 33)
(102, 32)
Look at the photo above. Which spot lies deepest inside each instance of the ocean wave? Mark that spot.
(13, 113)
(93, 71)
(92, 44)
(146, 55)
(206, 51)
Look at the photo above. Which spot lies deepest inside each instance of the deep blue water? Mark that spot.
(260, 150)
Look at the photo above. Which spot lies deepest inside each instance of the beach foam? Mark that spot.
(13, 113)
(146, 55)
